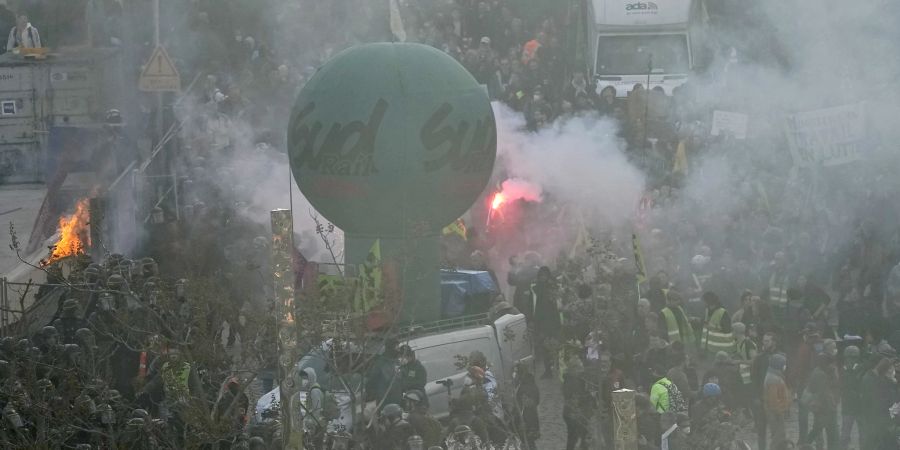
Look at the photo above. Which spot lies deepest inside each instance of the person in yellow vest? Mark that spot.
(716, 336)
(676, 323)
(778, 283)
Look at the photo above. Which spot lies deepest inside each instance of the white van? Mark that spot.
(441, 348)
(504, 344)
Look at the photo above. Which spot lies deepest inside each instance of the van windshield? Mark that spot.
(630, 55)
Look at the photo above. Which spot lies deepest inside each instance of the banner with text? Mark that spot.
(830, 136)
(731, 123)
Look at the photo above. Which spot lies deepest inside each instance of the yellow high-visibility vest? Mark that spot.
(673, 330)
(715, 339)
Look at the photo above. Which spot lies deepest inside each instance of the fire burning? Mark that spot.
(73, 234)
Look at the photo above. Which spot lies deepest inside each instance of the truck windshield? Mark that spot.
(630, 55)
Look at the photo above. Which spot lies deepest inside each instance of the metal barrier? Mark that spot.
(15, 318)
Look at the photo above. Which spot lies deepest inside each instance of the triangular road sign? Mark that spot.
(159, 73)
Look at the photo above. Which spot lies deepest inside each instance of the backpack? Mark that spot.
(330, 408)
(676, 400)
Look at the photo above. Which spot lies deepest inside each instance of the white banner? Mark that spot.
(732, 123)
(830, 136)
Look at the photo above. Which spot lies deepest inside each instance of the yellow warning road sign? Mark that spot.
(159, 73)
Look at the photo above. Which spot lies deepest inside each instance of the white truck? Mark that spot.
(629, 40)
(504, 342)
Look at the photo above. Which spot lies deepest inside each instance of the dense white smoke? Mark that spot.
(578, 165)
(521, 189)
(577, 160)
(837, 54)
(790, 57)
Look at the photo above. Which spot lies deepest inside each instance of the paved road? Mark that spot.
(553, 429)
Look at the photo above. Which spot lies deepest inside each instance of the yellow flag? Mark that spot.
(638, 258)
(369, 292)
(681, 162)
(458, 227)
(330, 286)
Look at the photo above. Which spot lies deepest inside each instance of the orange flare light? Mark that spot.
(73, 234)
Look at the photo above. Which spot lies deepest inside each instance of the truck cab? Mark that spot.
(439, 346)
(633, 41)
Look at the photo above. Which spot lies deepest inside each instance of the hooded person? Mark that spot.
(777, 399)
(309, 383)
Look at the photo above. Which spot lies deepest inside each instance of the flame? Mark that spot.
(498, 200)
(73, 234)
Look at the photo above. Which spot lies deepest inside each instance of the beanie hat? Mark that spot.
(777, 361)
(711, 390)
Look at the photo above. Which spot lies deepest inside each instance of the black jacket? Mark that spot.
(546, 314)
(413, 376)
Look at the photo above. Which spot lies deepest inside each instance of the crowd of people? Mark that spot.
(775, 303)
(129, 360)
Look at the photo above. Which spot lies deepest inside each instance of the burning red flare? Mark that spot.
(73, 237)
(498, 200)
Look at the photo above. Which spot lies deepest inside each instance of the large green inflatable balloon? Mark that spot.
(392, 139)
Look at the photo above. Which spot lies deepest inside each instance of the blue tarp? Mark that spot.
(466, 292)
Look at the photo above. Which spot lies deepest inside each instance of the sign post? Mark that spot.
(159, 74)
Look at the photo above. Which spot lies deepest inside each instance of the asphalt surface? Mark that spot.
(553, 429)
